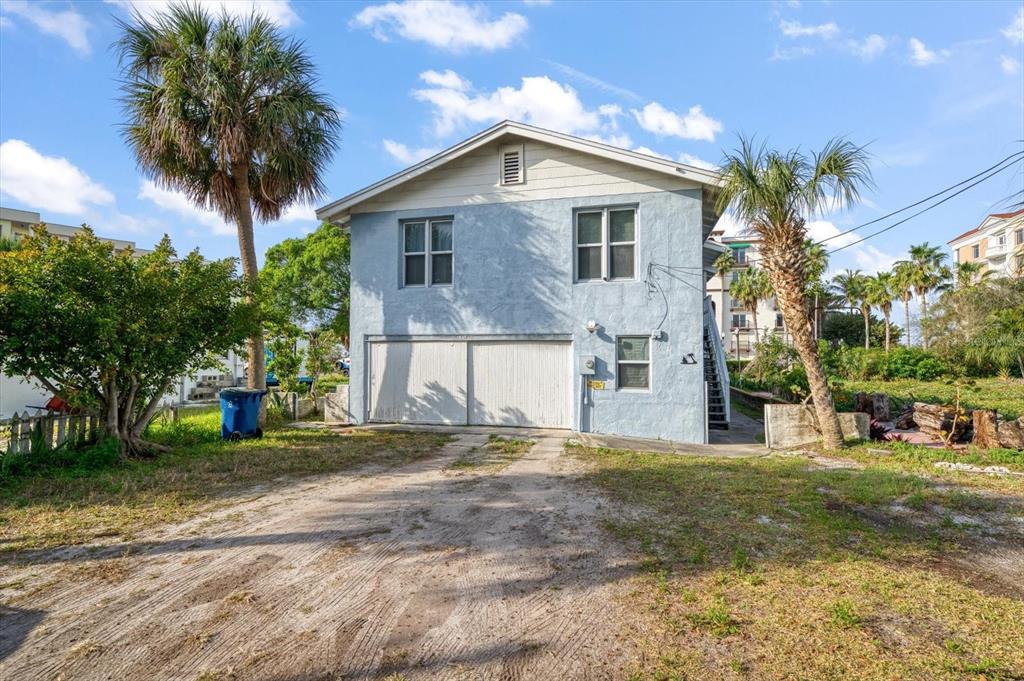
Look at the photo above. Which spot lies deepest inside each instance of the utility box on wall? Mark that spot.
(588, 365)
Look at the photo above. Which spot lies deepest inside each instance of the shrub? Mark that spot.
(913, 363)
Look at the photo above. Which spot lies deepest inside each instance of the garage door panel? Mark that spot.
(418, 382)
(519, 383)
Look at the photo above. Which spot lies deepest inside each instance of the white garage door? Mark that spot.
(502, 383)
(519, 384)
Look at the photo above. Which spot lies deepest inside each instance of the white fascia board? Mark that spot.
(338, 210)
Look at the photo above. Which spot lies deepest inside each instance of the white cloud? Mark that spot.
(788, 53)
(651, 152)
(447, 25)
(1009, 65)
(1014, 32)
(794, 29)
(691, 160)
(869, 48)
(298, 212)
(278, 11)
(179, 204)
(6, 23)
(48, 183)
(536, 3)
(538, 101)
(920, 55)
(694, 125)
(404, 154)
(449, 79)
(66, 24)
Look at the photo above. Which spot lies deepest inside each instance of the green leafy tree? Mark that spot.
(226, 111)
(879, 293)
(306, 281)
(966, 274)
(775, 193)
(113, 331)
(321, 357)
(750, 289)
(286, 362)
(724, 263)
(852, 287)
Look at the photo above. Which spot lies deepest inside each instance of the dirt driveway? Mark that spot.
(424, 571)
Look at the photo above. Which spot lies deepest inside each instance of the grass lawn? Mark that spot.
(58, 507)
(988, 393)
(768, 568)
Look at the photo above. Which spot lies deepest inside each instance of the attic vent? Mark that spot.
(511, 164)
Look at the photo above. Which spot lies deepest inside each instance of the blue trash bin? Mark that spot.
(240, 413)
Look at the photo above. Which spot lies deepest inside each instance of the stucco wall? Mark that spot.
(513, 274)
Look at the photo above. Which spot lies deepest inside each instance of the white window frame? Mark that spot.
(606, 243)
(519, 149)
(975, 251)
(732, 321)
(428, 253)
(648, 363)
(1019, 237)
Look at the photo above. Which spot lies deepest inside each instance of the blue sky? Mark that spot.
(935, 89)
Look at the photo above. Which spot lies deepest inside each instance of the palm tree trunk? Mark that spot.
(866, 311)
(906, 312)
(757, 331)
(924, 319)
(784, 263)
(886, 312)
(250, 271)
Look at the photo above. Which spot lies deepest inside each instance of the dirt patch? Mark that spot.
(409, 572)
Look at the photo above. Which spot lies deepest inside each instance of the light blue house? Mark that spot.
(529, 278)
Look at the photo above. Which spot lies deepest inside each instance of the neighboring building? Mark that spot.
(530, 278)
(736, 322)
(997, 243)
(17, 224)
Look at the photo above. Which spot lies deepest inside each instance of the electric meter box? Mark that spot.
(588, 365)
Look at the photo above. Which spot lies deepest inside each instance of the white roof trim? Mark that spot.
(339, 209)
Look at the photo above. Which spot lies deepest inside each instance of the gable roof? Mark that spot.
(339, 210)
(984, 224)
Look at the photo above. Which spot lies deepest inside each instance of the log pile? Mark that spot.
(938, 420)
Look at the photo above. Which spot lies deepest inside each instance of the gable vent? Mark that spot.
(511, 164)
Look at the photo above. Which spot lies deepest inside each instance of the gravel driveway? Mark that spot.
(423, 571)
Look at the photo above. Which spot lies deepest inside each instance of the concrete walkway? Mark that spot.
(739, 441)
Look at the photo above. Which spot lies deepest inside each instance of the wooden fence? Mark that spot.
(49, 430)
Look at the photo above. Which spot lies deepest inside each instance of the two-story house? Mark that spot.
(526, 277)
(997, 244)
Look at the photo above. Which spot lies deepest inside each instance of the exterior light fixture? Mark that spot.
(592, 326)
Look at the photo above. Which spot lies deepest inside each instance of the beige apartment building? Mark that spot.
(736, 323)
(17, 224)
(997, 243)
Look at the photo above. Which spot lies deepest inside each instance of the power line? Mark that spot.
(923, 210)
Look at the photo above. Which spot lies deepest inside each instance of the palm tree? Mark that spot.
(967, 274)
(880, 294)
(723, 264)
(903, 287)
(928, 273)
(226, 111)
(851, 286)
(775, 194)
(817, 263)
(750, 289)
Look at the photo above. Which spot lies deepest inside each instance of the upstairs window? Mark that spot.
(740, 255)
(605, 244)
(1019, 239)
(511, 164)
(975, 251)
(428, 251)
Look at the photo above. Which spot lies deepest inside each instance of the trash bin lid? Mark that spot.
(241, 392)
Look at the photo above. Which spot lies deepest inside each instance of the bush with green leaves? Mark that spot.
(286, 362)
(848, 329)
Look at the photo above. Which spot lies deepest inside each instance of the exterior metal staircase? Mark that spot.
(716, 373)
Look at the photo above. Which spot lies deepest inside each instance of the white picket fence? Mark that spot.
(51, 428)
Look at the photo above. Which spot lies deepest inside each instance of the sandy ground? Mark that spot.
(421, 572)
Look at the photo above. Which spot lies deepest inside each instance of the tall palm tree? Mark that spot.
(903, 287)
(750, 289)
(723, 264)
(775, 193)
(226, 111)
(879, 293)
(967, 274)
(929, 272)
(851, 286)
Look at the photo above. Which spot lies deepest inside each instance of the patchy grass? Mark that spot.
(65, 506)
(497, 453)
(1007, 397)
(770, 568)
(904, 457)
